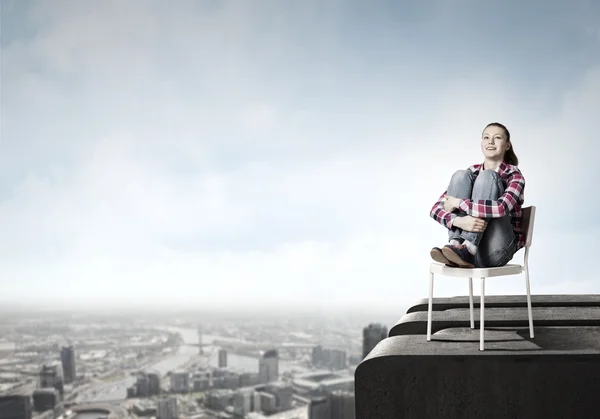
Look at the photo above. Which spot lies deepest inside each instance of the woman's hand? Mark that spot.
(451, 203)
(468, 223)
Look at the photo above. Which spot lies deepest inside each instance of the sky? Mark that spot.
(216, 154)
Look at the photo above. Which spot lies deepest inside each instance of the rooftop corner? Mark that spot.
(516, 376)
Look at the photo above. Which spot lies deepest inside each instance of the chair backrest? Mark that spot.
(527, 223)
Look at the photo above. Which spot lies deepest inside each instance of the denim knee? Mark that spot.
(462, 176)
(488, 176)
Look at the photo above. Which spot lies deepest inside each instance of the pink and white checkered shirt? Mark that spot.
(510, 203)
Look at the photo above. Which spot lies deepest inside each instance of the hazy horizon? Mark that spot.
(229, 154)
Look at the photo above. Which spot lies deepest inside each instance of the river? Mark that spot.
(118, 390)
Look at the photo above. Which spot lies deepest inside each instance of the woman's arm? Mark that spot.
(439, 214)
(503, 206)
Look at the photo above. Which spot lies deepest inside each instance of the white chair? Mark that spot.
(483, 273)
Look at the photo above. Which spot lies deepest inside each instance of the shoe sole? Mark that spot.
(454, 258)
(438, 256)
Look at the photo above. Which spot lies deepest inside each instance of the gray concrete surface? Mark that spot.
(498, 301)
(555, 375)
(416, 322)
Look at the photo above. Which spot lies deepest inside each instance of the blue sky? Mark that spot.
(225, 153)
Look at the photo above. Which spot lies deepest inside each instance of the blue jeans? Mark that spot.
(497, 245)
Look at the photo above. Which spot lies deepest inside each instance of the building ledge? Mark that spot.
(509, 301)
(554, 375)
(416, 322)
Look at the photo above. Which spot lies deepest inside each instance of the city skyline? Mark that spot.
(224, 154)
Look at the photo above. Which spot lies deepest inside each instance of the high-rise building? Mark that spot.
(268, 366)
(222, 358)
(154, 383)
(142, 385)
(167, 408)
(67, 357)
(372, 335)
(15, 407)
(51, 376)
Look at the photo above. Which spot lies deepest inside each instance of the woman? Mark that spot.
(482, 207)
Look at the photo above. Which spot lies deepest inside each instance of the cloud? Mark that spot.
(154, 154)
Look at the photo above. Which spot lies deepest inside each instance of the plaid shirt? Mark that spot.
(509, 203)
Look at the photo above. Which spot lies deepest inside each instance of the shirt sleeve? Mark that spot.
(439, 214)
(503, 206)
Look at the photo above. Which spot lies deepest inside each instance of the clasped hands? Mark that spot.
(467, 222)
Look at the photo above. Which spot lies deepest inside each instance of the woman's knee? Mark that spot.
(462, 176)
(488, 176)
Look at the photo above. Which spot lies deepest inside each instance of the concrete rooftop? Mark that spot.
(555, 374)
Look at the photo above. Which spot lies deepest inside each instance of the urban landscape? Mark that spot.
(59, 366)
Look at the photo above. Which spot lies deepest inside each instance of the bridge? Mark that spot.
(256, 346)
(20, 372)
(198, 345)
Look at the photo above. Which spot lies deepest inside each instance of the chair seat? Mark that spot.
(441, 269)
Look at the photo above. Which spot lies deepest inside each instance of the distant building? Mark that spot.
(335, 405)
(242, 402)
(317, 355)
(180, 382)
(67, 357)
(248, 379)
(167, 408)
(256, 405)
(372, 335)
(321, 383)
(284, 396)
(225, 379)
(15, 407)
(342, 405)
(201, 383)
(319, 408)
(268, 366)
(153, 384)
(268, 402)
(333, 359)
(51, 376)
(222, 358)
(143, 409)
(219, 399)
(45, 399)
(142, 385)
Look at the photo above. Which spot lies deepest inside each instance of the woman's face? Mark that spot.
(494, 143)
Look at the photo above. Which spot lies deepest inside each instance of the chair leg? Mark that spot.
(471, 303)
(429, 311)
(482, 315)
(529, 311)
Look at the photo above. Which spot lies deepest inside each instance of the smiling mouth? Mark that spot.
(491, 148)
